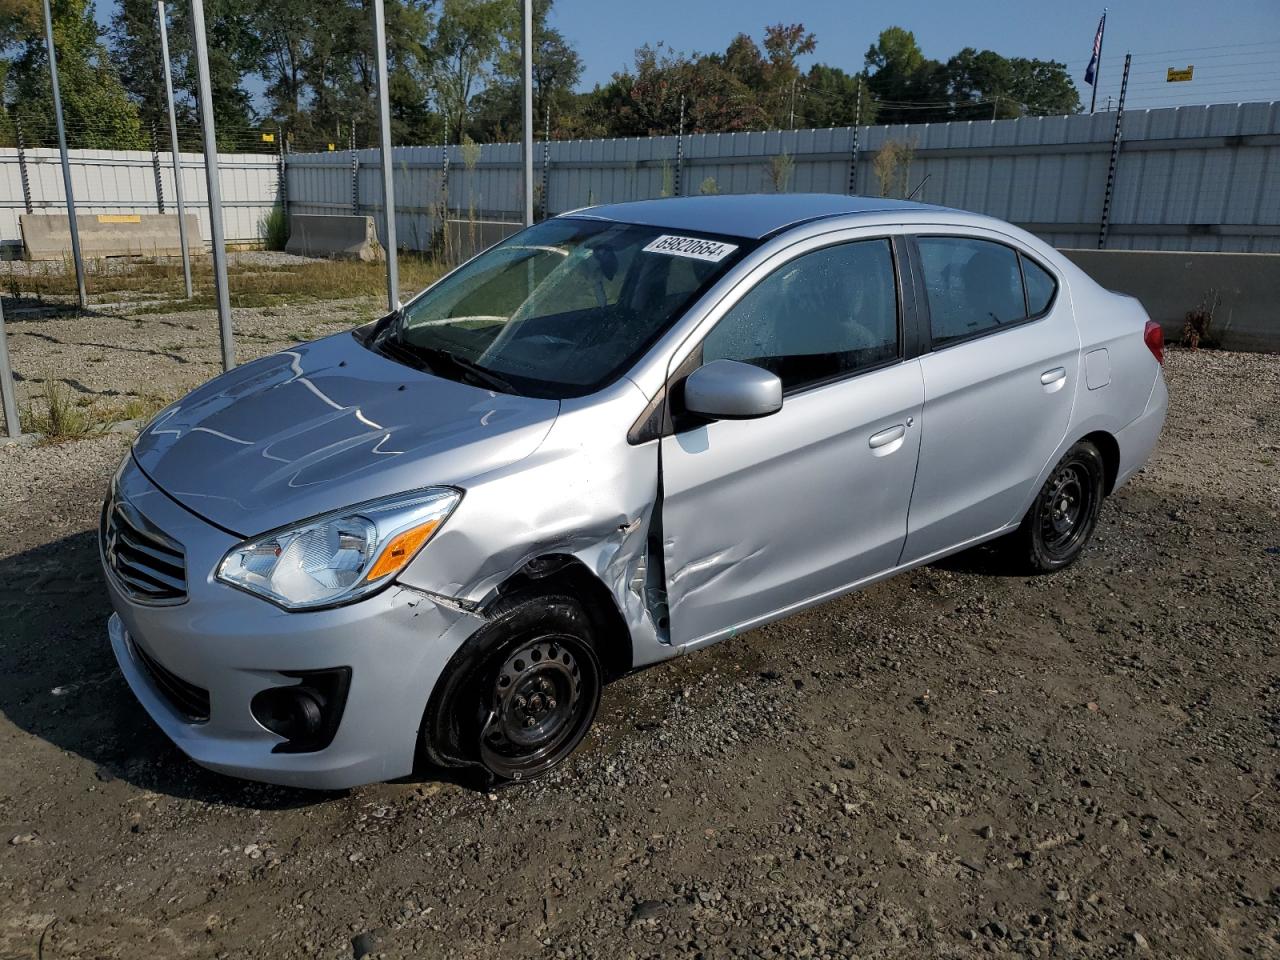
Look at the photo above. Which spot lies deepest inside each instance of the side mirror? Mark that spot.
(731, 390)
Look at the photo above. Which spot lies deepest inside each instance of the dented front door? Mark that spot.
(762, 515)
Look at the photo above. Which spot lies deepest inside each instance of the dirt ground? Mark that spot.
(954, 763)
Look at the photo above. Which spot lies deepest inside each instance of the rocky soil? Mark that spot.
(954, 763)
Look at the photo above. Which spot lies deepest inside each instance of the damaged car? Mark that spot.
(620, 435)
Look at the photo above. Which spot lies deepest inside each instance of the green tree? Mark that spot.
(831, 98)
(556, 71)
(912, 88)
(96, 109)
(1005, 87)
(467, 38)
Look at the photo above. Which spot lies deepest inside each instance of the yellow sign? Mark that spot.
(119, 218)
(1179, 76)
(268, 138)
(332, 148)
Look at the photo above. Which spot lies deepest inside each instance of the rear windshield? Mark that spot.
(560, 309)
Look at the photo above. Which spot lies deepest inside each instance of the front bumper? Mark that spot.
(234, 645)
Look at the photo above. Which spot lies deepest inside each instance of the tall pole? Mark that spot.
(1097, 71)
(1105, 224)
(388, 173)
(215, 191)
(173, 148)
(526, 37)
(7, 398)
(62, 149)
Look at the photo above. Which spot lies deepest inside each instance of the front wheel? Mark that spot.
(522, 694)
(1065, 512)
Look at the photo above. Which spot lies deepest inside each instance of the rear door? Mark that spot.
(1000, 380)
(761, 515)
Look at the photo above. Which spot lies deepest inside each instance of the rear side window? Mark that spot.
(825, 314)
(974, 286)
(1040, 286)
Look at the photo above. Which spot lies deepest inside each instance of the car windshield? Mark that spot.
(558, 310)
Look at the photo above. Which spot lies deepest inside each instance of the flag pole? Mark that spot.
(1097, 71)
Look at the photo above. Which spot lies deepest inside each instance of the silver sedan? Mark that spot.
(621, 435)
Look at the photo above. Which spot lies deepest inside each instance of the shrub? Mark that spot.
(274, 227)
(1195, 332)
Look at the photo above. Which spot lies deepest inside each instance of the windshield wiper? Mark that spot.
(468, 367)
(401, 351)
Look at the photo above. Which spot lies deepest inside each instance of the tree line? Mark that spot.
(307, 69)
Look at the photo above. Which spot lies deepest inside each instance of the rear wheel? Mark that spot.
(522, 693)
(1065, 512)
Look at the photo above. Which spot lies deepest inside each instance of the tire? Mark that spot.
(1062, 519)
(520, 694)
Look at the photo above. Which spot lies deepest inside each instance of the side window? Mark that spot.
(1040, 287)
(830, 312)
(974, 286)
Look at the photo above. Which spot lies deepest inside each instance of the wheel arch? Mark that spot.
(1109, 447)
(564, 573)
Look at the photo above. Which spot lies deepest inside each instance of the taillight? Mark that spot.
(1153, 337)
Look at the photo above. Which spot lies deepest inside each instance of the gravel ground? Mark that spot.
(953, 763)
(108, 357)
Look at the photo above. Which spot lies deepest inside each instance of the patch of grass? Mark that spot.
(251, 285)
(62, 417)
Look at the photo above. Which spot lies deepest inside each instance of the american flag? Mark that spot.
(1091, 71)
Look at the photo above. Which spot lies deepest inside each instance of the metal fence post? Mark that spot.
(215, 191)
(173, 147)
(155, 167)
(526, 22)
(62, 149)
(675, 186)
(22, 165)
(853, 151)
(355, 168)
(282, 175)
(388, 173)
(1105, 225)
(546, 167)
(7, 397)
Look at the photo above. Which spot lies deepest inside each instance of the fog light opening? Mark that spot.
(306, 714)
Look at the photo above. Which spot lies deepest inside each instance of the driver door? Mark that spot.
(760, 516)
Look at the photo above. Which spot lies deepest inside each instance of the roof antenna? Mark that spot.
(911, 195)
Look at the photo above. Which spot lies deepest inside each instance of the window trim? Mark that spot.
(664, 416)
(901, 347)
(925, 309)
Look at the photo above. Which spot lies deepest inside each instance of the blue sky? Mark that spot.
(1234, 44)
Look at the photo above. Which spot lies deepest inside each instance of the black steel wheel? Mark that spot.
(540, 706)
(1065, 513)
(521, 694)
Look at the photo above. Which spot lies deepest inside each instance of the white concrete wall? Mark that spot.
(123, 181)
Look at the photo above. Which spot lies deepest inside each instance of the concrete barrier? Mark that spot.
(466, 238)
(48, 236)
(324, 235)
(1171, 283)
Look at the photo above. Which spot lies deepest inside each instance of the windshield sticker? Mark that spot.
(712, 251)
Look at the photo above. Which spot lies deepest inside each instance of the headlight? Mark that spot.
(340, 556)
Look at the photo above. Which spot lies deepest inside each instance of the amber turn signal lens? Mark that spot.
(401, 550)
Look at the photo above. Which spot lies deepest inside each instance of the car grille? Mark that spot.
(190, 701)
(150, 567)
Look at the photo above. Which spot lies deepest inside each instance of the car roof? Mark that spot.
(754, 215)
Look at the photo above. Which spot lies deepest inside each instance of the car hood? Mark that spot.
(325, 425)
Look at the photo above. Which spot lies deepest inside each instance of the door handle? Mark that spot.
(1053, 376)
(886, 437)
